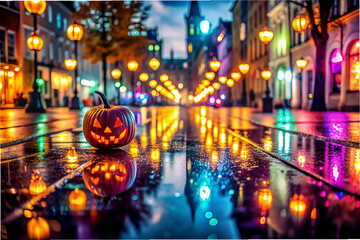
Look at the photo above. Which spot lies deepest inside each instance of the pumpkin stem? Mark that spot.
(104, 99)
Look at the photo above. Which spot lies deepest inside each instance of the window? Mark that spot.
(310, 83)
(11, 44)
(64, 24)
(190, 48)
(58, 20)
(66, 54)
(242, 31)
(191, 30)
(27, 51)
(50, 17)
(260, 14)
(352, 5)
(335, 63)
(2, 42)
(51, 51)
(255, 19)
(59, 54)
(354, 66)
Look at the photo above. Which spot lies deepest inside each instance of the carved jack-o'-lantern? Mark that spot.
(112, 176)
(109, 126)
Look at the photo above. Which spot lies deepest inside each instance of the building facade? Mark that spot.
(11, 81)
(258, 52)
(293, 87)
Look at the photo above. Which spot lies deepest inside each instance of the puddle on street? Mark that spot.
(185, 176)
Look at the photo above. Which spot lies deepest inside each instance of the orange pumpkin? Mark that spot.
(112, 176)
(107, 126)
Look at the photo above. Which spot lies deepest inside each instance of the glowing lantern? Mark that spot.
(266, 35)
(300, 23)
(37, 185)
(35, 42)
(164, 78)
(107, 126)
(267, 143)
(222, 79)
(214, 65)
(111, 177)
(206, 82)
(265, 198)
(71, 155)
(301, 63)
(132, 66)
(167, 83)
(266, 74)
(70, 64)
(210, 76)
(116, 73)
(154, 64)
(211, 90)
(35, 6)
(159, 88)
(216, 85)
(152, 83)
(236, 76)
(230, 83)
(244, 68)
(144, 77)
(75, 32)
(38, 228)
(77, 200)
(298, 205)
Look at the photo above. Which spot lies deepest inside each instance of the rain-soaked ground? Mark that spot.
(189, 173)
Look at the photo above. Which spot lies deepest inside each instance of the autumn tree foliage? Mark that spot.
(112, 31)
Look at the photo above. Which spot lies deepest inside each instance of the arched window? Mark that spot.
(354, 66)
(335, 63)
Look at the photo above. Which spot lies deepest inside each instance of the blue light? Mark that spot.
(213, 222)
(223, 96)
(204, 26)
(204, 192)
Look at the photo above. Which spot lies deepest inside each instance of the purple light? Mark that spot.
(137, 94)
(337, 57)
(212, 100)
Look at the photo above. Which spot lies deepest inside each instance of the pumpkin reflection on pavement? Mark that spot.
(111, 176)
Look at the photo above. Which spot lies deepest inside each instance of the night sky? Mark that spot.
(169, 17)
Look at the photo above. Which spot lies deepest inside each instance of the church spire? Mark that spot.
(194, 10)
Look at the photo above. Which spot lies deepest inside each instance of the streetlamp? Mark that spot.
(210, 76)
(70, 64)
(116, 74)
(214, 66)
(133, 66)
(75, 33)
(154, 64)
(266, 35)
(301, 64)
(267, 99)
(35, 43)
(300, 23)
(244, 69)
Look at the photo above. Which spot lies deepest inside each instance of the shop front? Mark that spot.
(11, 85)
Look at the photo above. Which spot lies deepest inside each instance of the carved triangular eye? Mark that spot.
(118, 123)
(96, 123)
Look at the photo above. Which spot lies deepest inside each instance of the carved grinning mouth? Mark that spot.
(106, 141)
